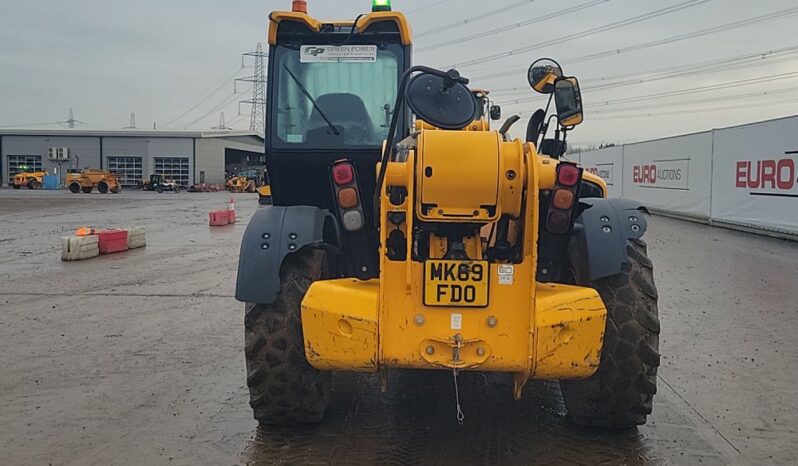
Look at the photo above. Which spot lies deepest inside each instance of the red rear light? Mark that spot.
(343, 174)
(347, 198)
(567, 174)
(559, 222)
(299, 6)
(563, 199)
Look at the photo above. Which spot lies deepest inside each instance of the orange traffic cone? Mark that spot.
(85, 231)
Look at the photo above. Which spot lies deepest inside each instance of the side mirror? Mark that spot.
(495, 112)
(543, 74)
(568, 99)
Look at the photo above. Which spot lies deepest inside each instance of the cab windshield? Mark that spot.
(328, 97)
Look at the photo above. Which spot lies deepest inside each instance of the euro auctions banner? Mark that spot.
(755, 180)
(608, 164)
(672, 174)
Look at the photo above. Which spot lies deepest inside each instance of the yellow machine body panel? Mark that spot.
(344, 329)
(339, 323)
(458, 176)
(521, 326)
(570, 330)
(468, 176)
(362, 23)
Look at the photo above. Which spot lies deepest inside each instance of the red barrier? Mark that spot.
(219, 218)
(111, 241)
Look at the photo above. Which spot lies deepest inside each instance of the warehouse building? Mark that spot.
(190, 157)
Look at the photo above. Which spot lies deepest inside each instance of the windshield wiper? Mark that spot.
(313, 101)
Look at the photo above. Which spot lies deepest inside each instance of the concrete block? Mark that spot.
(136, 238)
(78, 248)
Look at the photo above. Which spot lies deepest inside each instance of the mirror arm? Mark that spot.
(546, 126)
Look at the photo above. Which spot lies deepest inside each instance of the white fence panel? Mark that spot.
(755, 180)
(672, 174)
(608, 164)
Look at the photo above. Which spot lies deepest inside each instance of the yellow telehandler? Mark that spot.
(407, 234)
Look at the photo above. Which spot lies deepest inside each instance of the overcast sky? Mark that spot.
(163, 59)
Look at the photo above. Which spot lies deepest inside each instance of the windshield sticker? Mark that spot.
(338, 54)
(295, 138)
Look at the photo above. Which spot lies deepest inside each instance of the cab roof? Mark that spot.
(363, 23)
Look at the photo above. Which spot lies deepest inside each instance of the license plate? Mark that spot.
(456, 283)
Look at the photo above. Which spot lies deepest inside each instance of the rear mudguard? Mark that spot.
(601, 233)
(272, 234)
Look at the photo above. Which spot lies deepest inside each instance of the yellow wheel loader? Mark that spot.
(31, 179)
(89, 179)
(406, 234)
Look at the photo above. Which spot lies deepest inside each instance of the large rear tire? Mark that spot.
(284, 388)
(74, 188)
(620, 394)
(102, 186)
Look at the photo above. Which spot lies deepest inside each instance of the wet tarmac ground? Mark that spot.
(136, 358)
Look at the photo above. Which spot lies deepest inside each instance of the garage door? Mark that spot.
(176, 167)
(18, 162)
(128, 169)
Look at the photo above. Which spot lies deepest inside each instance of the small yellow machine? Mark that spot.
(30, 179)
(88, 179)
(462, 249)
(240, 184)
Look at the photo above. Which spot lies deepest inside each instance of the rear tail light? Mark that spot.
(347, 198)
(353, 220)
(559, 222)
(347, 195)
(564, 198)
(568, 174)
(343, 173)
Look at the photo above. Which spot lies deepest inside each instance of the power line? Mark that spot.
(681, 92)
(692, 35)
(226, 81)
(645, 45)
(223, 104)
(691, 111)
(680, 104)
(753, 60)
(474, 19)
(510, 27)
(708, 100)
(589, 32)
(422, 8)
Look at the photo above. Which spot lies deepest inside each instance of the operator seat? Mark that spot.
(344, 110)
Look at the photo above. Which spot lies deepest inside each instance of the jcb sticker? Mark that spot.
(506, 274)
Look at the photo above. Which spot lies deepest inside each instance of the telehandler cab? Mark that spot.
(448, 246)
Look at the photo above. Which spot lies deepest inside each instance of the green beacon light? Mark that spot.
(381, 5)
